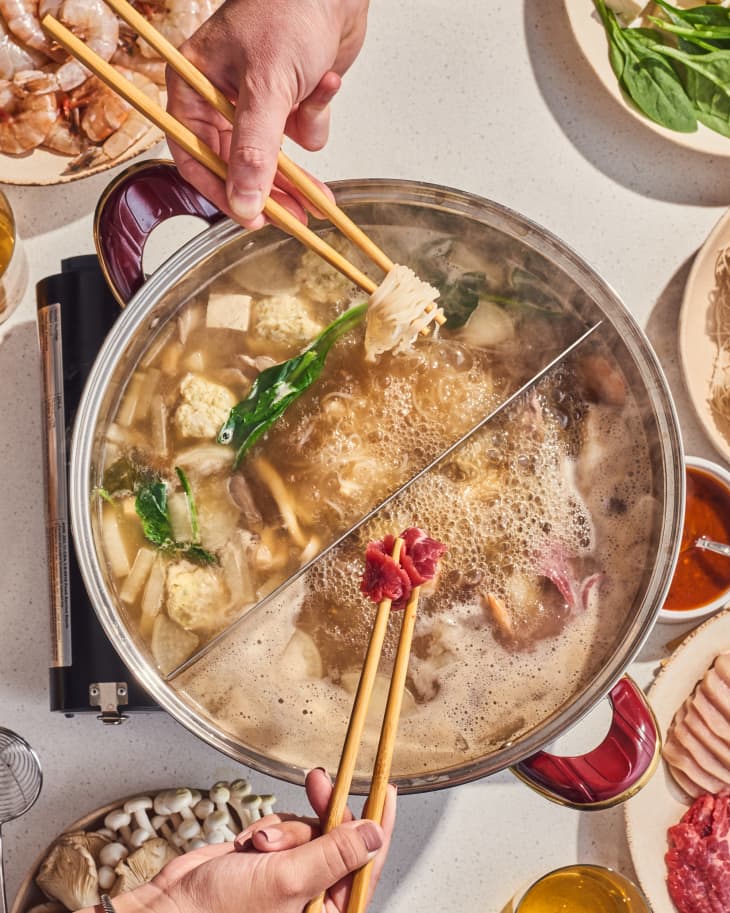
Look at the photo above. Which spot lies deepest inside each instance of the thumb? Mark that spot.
(257, 133)
(323, 862)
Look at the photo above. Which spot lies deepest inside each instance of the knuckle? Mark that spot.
(344, 852)
(251, 157)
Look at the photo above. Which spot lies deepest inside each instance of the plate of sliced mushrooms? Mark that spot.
(127, 842)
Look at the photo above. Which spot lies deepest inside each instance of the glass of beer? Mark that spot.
(583, 889)
(13, 264)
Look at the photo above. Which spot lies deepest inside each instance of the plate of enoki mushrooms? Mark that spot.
(704, 336)
(58, 122)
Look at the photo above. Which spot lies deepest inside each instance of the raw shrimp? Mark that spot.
(14, 57)
(90, 20)
(23, 20)
(65, 137)
(132, 59)
(28, 111)
(176, 19)
(102, 110)
(135, 125)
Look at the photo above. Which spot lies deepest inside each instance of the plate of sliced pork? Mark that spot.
(678, 826)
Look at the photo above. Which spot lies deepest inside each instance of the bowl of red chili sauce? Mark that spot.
(701, 581)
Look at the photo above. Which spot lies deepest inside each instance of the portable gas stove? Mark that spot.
(75, 312)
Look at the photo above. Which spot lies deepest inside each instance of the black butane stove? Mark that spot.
(75, 312)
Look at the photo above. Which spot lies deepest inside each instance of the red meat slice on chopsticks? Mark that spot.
(384, 578)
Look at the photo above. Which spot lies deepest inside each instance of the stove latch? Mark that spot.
(109, 697)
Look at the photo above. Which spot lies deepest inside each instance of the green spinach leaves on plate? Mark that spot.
(276, 388)
(677, 73)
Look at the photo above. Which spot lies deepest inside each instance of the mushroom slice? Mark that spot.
(68, 873)
(142, 866)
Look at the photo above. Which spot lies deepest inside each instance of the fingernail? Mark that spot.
(242, 843)
(370, 833)
(246, 204)
(270, 834)
(322, 769)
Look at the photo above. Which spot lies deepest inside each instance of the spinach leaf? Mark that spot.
(125, 476)
(647, 77)
(712, 16)
(192, 511)
(459, 297)
(707, 80)
(276, 388)
(153, 510)
(716, 33)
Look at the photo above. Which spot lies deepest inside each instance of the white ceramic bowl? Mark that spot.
(722, 475)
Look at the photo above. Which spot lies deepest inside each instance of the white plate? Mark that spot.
(696, 348)
(592, 40)
(659, 804)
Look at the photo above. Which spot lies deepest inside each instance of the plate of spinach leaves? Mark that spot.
(666, 61)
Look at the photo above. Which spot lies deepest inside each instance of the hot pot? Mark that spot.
(146, 195)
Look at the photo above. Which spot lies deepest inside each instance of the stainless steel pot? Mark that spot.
(145, 195)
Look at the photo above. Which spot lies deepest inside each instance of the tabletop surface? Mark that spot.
(493, 98)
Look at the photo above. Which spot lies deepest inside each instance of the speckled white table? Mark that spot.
(488, 97)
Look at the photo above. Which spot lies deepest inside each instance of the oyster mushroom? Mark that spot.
(68, 873)
(142, 865)
(51, 906)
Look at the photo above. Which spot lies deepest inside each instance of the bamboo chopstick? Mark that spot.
(216, 99)
(280, 216)
(383, 761)
(353, 737)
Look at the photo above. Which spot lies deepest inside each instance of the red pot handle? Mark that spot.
(613, 771)
(131, 207)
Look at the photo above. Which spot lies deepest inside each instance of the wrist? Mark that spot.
(145, 898)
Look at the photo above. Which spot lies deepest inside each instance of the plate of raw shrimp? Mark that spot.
(58, 122)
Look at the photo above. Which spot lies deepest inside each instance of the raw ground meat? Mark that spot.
(698, 859)
(386, 579)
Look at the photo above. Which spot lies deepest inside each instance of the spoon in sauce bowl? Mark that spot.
(720, 548)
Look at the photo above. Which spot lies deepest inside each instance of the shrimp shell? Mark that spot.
(24, 22)
(176, 19)
(26, 114)
(14, 57)
(94, 23)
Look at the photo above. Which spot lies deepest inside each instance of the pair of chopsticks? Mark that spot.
(375, 802)
(185, 138)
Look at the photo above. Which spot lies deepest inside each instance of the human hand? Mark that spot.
(280, 864)
(281, 62)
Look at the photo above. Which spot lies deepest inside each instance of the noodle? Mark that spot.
(720, 303)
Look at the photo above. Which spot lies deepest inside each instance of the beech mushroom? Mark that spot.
(218, 821)
(203, 808)
(119, 821)
(138, 809)
(238, 791)
(113, 853)
(107, 877)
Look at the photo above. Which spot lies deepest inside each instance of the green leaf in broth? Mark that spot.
(196, 554)
(152, 509)
(459, 298)
(276, 388)
(192, 511)
(126, 476)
